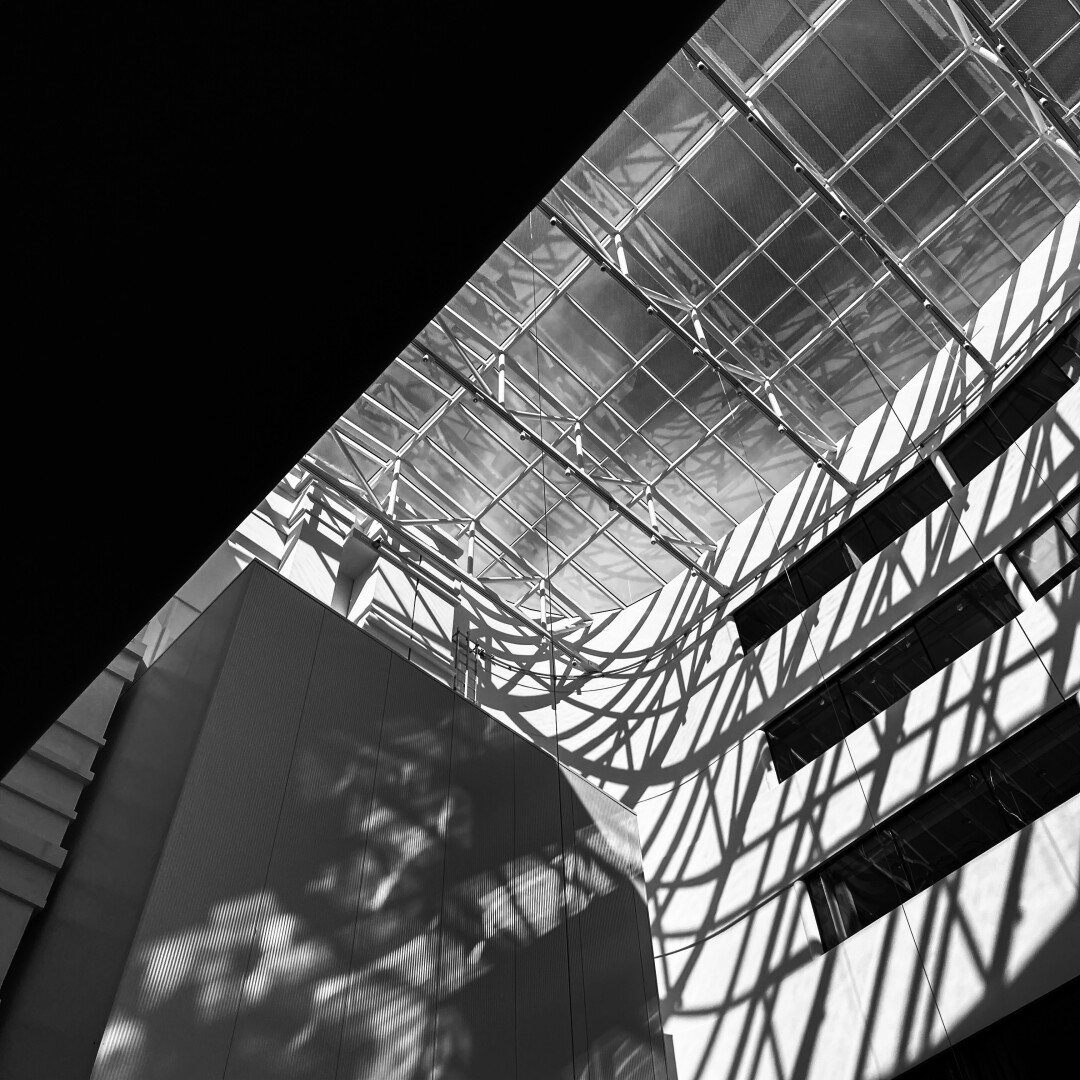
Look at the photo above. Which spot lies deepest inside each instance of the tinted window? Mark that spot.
(807, 730)
(1069, 516)
(822, 569)
(965, 617)
(1033, 774)
(999, 424)
(974, 447)
(1044, 557)
(887, 673)
(1013, 785)
(938, 835)
(906, 503)
(860, 886)
(885, 676)
(773, 607)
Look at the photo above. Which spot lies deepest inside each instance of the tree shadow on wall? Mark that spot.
(440, 903)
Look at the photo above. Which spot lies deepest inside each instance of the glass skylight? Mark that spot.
(896, 111)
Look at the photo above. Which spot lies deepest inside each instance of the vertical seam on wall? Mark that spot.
(274, 837)
(229, 636)
(442, 897)
(363, 867)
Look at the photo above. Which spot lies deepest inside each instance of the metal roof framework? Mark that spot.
(731, 278)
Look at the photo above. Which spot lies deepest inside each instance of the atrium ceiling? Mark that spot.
(792, 219)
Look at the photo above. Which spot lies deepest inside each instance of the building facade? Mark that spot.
(743, 478)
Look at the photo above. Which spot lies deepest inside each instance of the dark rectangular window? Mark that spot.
(802, 585)
(977, 444)
(1013, 785)
(985, 437)
(1001, 422)
(819, 571)
(808, 729)
(773, 607)
(1069, 516)
(885, 675)
(1049, 553)
(889, 671)
(961, 620)
(904, 505)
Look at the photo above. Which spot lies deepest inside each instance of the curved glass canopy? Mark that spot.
(900, 108)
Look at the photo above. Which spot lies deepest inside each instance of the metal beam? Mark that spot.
(845, 210)
(447, 567)
(697, 349)
(1000, 54)
(570, 467)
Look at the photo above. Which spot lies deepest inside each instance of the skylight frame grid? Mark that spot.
(894, 118)
(720, 118)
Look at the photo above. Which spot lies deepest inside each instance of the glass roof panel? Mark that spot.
(466, 439)
(671, 113)
(598, 192)
(581, 345)
(937, 117)
(637, 397)
(888, 337)
(661, 565)
(753, 438)
(546, 247)
(741, 183)
(879, 97)
(1038, 25)
(441, 480)
(764, 28)
(846, 375)
(702, 511)
(672, 431)
(810, 398)
(672, 364)
(626, 578)
(1061, 71)
(616, 311)
(698, 227)
(629, 158)
(879, 50)
(514, 284)
(591, 597)
(833, 100)
(724, 479)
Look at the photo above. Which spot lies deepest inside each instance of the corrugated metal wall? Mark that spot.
(367, 877)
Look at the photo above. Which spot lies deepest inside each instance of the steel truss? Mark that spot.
(847, 213)
(699, 349)
(376, 513)
(572, 468)
(1025, 88)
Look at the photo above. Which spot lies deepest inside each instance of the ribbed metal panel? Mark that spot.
(390, 1006)
(209, 906)
(291, 1011)
(477, 955)
(544, 1032)
(58, 1004)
